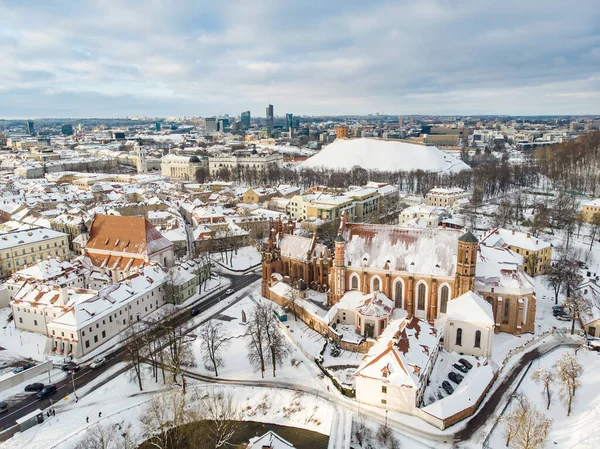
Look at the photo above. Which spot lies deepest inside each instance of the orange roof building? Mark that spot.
(123, 245)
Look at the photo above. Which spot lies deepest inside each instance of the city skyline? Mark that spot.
(135, 59)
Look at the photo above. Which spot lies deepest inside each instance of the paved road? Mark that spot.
(85, 375)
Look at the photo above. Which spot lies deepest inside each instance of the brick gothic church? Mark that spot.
(419, 269)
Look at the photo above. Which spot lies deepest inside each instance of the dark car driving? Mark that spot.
(455, 377)
(34, 388)
(71, 366)
(47, 391)
(447, 387)
(465, 363)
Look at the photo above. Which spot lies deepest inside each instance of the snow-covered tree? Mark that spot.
(568, 370)
(526, 427)
(545, 378)
(214, 339)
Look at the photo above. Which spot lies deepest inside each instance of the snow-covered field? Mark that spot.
(581, 429)
(245, 258)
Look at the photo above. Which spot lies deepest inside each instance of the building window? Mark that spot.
(592, 331)
(35, 322)
(398, 293)
(103, 334)
(95, 339)
(444, 293)
(383, 401)
(20, 320)
(384, 389)
(478, 339)
(354, 282)
(421, 297)
(459, 337)
(376, 284)
(490, 300)
(87, 343)
(506, 309)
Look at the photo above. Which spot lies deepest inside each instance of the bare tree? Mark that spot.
(291, 300)
(578, 306)
(568, 370)
(555, 280)
(135, 347)
(213, 335)
(163, 420)
(594, 228)
(546, 378)
(526, 427)
(256, 341)
(221, 416)
(99, 436)
(274, 340)
(177, 354)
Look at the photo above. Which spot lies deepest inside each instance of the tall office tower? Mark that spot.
(30, 129)
(289, 122)
(211, 125)
(157, 125)
(245, 120)
(401, 121)
(270, 117)
(67, 130)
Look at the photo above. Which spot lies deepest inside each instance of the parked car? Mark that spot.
(47, 391)
(195, 312)
(563, 317)
(594, 344)
(461, 368)
(558, 310)
(34, 388)
(447, 387)
(71, 366)
(3, 406)
(455, 377)
(229, 291)
(466, 363)
(20, 369)
(98, 362)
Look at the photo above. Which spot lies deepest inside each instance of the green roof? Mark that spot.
(339, 238)
(468, 237)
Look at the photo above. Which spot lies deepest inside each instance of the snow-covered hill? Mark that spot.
(377, 154)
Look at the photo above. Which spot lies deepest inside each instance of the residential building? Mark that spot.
(269, 440)
(241, 161)
(590, 208)
(537, 254)
(341, 132)
(211, 125)
(420, 216)
(445, 197)
(259, 195)
(366, 203)
(20, 249)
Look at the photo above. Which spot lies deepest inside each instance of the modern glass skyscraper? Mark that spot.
(289, 121)
(30, 128)
(245, 120)
(270, 117)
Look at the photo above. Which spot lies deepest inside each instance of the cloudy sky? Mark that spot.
(108, 58)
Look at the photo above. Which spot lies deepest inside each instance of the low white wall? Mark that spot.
(28, 374)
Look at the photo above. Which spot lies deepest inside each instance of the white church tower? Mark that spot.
(141, 163)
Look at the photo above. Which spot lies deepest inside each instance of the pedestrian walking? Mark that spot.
(99, 414)
(87, 419)
(53, 412)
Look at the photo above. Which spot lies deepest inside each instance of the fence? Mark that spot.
(28, 374)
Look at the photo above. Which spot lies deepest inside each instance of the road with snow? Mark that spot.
(85, 375)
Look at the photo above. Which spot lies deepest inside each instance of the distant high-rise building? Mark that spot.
(67, 130)
(30, 128)
(270, 117)
(289, 122)
(400, 122)
(245, 120)
(341, 132)
(157, 125)
(211, 125)
(222, 124)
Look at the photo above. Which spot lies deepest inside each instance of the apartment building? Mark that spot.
(19, 249)
(366, 203)
(536, 253)
(445, 197)
(590, 208)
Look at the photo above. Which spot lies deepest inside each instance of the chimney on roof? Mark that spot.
(63, 296)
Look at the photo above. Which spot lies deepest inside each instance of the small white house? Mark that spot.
(469, 327)
(269, 440)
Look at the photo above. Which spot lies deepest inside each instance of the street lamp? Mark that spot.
(73, 382)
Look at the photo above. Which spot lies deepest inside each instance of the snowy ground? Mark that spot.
(245, 258)
(18, 345)
(580, 430)
(442, 368)
(121, 402)
(237, 365)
